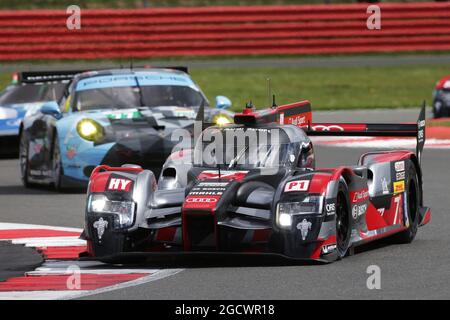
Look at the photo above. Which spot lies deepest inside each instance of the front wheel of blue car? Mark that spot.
(56, 163)
(23, 159)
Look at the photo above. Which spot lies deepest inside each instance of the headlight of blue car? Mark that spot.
(286, 210)
(123, 210)
(90, 130)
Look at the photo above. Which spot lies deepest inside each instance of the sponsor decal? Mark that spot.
(328, 248)
(399, 166)
(381, 211)
(304, 228)
(330, 208)
(384, 185)
(362, 195)
(400, 176)
(213, 184)
(131, 114)
(117, 184)
(358, 210)
(201, 201)
(327, 128)
(101, 226)
(71, 151)
(296, 120)
(297, 185)
(399, 186)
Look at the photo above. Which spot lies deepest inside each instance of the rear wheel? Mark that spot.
(412, 205)
(23, 159)
(56, 163)
(343, 222)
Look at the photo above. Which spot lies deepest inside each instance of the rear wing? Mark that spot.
(67, 75)
(46, 76)
(299, 114)
(416, 130)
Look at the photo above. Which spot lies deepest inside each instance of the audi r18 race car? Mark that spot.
(441, 98)
(27, 93)
(110, 117)
(253, 187)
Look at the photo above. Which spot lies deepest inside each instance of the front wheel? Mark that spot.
(56, 163)
(23, 159)
(343, 221)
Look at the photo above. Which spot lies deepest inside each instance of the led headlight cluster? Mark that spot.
(123, 210)
(90, 130)
(286, 210)
(221, 119)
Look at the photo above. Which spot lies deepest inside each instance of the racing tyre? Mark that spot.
(23, 159)
(412, 197)
(56, 163)
(437, 109)
(343, 220)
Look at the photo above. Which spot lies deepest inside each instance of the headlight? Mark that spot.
(123, 210)
(90, 130)
(221, 119)
(286, 210)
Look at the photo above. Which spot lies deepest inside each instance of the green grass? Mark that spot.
(325, 87)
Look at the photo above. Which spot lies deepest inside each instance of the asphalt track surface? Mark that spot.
(415, 271)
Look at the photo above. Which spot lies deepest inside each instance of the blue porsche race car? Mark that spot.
(112, 117)
(27, 93)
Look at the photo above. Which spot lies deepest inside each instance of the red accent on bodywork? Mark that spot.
(338, 127)
(261, 235)
(373, 218)
(98, 182)
(320, 243)
(166, 234)
(224, 175)
(201, 202)
(99, 179)
(386, 156)
(426, 218)
(319, 183)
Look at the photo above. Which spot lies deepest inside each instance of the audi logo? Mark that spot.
(201, 200)
(327, 128)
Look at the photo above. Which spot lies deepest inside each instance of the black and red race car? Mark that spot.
(254, 189)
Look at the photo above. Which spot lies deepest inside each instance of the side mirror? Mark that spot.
(223, 102)
(51, 108)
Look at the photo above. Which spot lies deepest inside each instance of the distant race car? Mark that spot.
(27, 93)
(110, 117)
(265, 197)
(441, 98)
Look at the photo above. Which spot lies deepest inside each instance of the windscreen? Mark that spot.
(126, 97)
(29, 93)
(244, 150)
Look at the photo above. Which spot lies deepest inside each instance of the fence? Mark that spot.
(213, 31)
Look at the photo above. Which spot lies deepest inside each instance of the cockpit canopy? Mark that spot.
(242, 147)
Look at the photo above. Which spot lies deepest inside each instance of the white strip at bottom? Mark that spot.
(18, 226)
